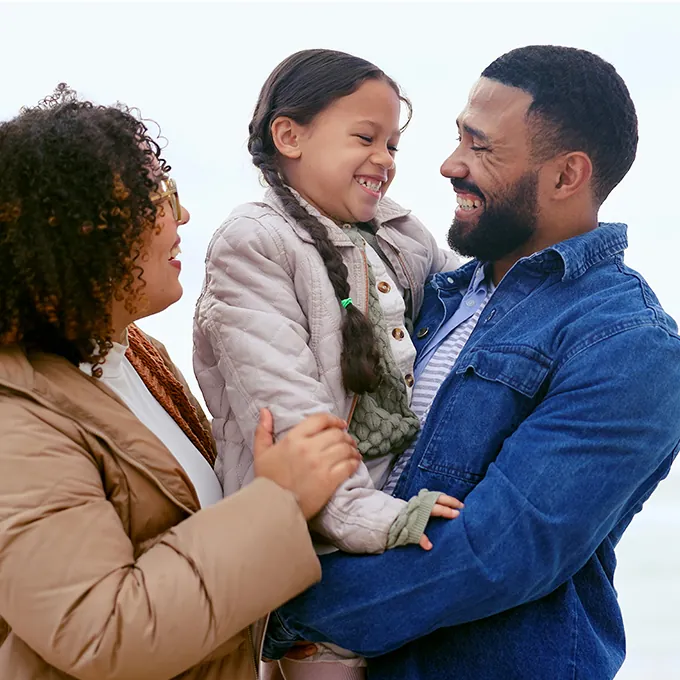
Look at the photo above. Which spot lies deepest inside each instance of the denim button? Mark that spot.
(422, 333)
(449, 279)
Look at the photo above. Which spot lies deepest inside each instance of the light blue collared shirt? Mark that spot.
(473, 298)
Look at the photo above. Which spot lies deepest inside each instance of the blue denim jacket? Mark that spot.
(559, 419)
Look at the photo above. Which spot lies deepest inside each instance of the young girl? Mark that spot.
(309, 299)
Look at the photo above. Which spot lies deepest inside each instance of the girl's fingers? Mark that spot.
(450, 501)
(443, 511)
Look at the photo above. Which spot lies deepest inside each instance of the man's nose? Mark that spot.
(454, 167)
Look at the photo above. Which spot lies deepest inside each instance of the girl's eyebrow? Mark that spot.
(367, 121)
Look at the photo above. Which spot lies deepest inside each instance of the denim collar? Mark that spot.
(573, 257)
(580, 253)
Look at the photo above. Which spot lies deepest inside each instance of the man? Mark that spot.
(558, 402)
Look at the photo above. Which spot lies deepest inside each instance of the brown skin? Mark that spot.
(161, 277)
(313, 459)
(356, 136)
(495, 151)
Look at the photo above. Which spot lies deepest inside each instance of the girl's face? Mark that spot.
(343, 161)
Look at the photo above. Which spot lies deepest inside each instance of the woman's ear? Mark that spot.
(287, 135)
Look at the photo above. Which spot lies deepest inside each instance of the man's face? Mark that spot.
(492, 174)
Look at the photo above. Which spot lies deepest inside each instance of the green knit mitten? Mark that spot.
(410, 523)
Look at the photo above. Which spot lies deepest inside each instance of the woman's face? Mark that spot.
(158, 259)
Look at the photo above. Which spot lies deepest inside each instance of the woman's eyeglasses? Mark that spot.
(168, 189)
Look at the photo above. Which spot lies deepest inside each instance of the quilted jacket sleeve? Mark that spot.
(259, 335)
(445, 260)
(442, 259)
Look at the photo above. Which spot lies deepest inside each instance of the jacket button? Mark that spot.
(408, 379)
(422, 333)
(398, 334)
(384, 287)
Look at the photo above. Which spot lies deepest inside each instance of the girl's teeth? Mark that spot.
(369, 184)
(175, 252)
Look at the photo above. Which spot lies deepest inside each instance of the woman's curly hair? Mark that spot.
(76, 182)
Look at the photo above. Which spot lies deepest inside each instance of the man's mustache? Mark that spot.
(467, 187)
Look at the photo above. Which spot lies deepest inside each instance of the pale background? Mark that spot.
(197, 68)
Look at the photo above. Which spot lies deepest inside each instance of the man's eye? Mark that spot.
(473, 147)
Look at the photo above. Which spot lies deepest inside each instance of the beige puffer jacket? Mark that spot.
(267, 334)
(108, 571)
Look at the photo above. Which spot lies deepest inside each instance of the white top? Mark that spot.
(121, 377)
(393, 307)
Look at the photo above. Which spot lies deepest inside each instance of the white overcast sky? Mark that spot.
(197, 68)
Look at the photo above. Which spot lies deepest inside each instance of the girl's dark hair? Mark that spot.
(299, 88)
(75, 208)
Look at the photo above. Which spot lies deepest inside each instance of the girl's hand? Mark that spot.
(446, 506)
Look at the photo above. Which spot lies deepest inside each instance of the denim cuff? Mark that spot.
(277, 639)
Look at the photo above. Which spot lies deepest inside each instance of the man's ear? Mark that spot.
(287, 135)
(573, 171)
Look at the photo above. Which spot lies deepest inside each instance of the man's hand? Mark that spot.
(312, 460)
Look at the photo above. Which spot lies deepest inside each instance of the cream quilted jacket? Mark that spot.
(267, 333)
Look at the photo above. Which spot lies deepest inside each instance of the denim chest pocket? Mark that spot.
(482, 404)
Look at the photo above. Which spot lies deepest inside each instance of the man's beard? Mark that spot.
(504, 225)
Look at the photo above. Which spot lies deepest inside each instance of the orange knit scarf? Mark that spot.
(168, 391)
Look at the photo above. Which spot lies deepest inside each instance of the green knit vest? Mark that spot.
(382, 421)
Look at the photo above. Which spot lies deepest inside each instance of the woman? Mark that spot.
(118, 557)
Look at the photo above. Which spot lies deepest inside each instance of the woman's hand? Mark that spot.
(447, 507)
(312, 460)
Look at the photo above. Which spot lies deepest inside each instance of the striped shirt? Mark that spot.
(441, 362)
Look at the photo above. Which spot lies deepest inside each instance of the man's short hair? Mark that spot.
(580, 103)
